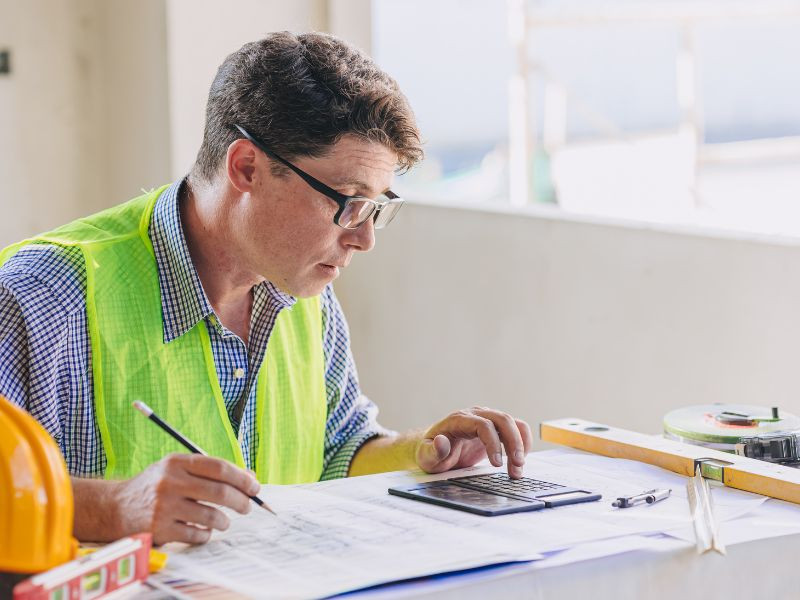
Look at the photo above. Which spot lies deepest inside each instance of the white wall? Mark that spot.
(544, 317)
(134, 89)
(43, 111)
(201, 34)
(83, 115)
(107, 97)
(550, 318)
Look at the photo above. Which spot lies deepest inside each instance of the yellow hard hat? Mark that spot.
(36, 505)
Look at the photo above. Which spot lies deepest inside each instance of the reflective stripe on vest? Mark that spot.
(130, 361)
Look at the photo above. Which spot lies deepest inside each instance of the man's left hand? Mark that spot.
(466, 437)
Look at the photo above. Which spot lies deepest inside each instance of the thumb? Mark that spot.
(431, 452)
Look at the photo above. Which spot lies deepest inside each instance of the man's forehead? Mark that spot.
(363, 182)
(358, 163)
(363, 152)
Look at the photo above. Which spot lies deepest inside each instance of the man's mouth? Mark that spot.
(336, 264)
(331, 269)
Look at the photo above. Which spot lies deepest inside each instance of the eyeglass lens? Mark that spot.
(357, 211)
(387, 214)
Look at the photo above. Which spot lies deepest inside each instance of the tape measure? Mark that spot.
(754, 431)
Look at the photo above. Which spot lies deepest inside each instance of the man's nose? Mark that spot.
(362, 238)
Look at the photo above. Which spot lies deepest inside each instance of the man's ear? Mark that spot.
(240, 165)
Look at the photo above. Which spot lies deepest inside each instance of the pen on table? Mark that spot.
(189, 445)
(650, 496)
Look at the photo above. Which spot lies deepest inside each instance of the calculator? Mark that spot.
(495, 494)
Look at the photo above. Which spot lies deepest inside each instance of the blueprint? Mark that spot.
(341, 535)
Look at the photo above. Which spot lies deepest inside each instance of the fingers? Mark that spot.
(193, 525)
(488, 434)
(219, 482)
(181, 532)
(220, 494)
(433, 454)
(171, 498)
(509, 433)
(435, 450)
(206, 516)
(526, 433)
(442, 446)
(511, 436)
(217, 469)
(462, 425)
(495, 430)
(206, 479)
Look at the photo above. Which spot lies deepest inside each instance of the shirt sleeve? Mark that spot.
(29, 347)
(44, 350)
(352, 417)
(13, 349)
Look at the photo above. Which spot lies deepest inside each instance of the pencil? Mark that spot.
(188, 444)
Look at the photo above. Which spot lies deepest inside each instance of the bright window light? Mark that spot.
(649, 110)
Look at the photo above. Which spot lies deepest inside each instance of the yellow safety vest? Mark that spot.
(178, 380)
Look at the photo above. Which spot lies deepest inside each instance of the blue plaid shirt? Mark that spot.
(45, 352)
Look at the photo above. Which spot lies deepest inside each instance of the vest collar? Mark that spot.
(183, 300)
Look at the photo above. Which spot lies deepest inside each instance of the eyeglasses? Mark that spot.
(353, 210)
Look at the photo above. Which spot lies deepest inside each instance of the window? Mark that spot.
(672, 112)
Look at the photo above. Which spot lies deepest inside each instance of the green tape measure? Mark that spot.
(754, 431)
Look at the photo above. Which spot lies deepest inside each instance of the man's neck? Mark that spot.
(228, 286)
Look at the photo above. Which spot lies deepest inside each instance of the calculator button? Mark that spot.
(500, 483)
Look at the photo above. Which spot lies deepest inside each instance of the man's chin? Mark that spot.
(309, 289)
(311, 283)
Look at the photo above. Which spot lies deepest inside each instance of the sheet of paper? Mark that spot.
(431, 586)
(342, 535)
(321, 545)
(563, 527)
(774, 518)
(610, 547)
(614, 474)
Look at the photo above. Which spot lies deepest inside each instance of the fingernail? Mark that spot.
(498, 459)
(519, 456)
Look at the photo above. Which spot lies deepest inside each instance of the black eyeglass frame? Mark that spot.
(341, 200)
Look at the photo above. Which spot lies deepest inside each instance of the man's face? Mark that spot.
(287, 233)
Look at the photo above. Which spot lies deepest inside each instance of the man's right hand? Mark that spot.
(170, 499)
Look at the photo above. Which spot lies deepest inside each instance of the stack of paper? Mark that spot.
(342, 535)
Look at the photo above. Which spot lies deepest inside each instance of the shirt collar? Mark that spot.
(183, 300)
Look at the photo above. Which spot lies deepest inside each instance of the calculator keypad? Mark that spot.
(502, 484)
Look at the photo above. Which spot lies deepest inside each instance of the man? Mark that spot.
(211, 300)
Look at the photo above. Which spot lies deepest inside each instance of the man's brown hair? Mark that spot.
(299, 94)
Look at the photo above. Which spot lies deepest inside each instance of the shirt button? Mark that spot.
(238, 373)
